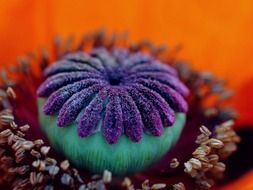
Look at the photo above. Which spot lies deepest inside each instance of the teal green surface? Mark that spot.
(95, 154)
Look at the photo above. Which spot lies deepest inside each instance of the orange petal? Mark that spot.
(243, 102)
(24, 26)
(244, 183)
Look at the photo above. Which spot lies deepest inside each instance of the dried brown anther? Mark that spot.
(174, 163)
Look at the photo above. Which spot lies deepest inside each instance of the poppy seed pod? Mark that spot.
(112, 109)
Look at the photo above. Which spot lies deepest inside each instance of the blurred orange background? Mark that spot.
(216, 35)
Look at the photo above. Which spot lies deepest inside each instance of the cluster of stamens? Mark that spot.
(205, 165)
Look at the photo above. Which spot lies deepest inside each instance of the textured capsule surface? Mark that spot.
(116, 97)
(130, 95)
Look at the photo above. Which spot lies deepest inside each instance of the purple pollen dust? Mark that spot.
(115, 92)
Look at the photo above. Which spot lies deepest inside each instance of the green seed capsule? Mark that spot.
(95, 154)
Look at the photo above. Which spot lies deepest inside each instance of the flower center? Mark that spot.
(113, 94)
(114, 81)
(115, 77)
